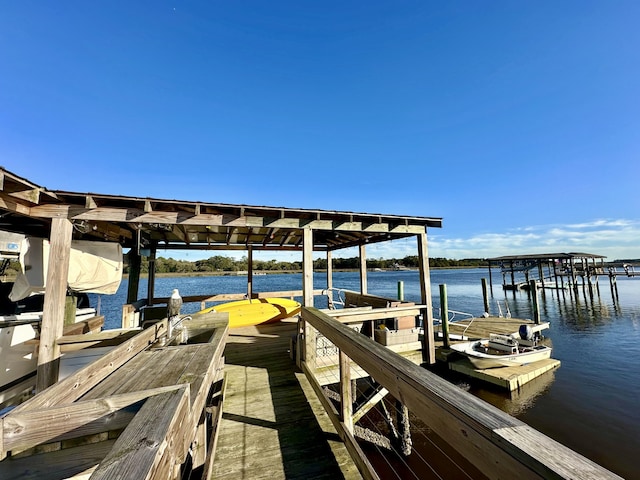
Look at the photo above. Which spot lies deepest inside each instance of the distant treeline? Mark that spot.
(220, 263)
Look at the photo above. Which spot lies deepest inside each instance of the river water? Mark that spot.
(589, 404)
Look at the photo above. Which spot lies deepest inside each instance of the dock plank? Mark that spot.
(272, 425)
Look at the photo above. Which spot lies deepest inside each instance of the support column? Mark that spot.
(428, 347)
(54, 303)
(151, 280)
(307, 267)
(490, 279)
(346, 394)
(485, 296)
(363, 269)
(307, 347)
(329, 269)
(249, 272)
(135, 263)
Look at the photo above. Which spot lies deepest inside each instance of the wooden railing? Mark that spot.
(165, 419)
(498, 445)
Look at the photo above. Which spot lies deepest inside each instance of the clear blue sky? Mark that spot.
(517, 122)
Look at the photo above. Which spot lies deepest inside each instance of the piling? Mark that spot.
(444, 314)
(485, 296)
(400, 290)
(533, 288)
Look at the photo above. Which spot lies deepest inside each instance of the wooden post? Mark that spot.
(363, 269)
(307, 267)
(346, 395)
(400, 290)
(249, 271)
(513, 278)
(490, 279)
(573, 274)
(444, 314)
(329, 269)
(70, 307)
(428, 347)
(307, 348)
(540, 272)
(135, 262)
(485, 296)
(534, 296)
(54, 301)
(151, 280)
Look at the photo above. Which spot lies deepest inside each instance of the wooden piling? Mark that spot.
(444, 314)
(533, 288)
(485, 296)
(400, 290)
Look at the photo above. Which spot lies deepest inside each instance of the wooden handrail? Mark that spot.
(498, 445)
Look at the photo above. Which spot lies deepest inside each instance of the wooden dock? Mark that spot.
(273, 425)
(511, 378)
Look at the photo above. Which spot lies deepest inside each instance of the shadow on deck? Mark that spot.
(273, 426)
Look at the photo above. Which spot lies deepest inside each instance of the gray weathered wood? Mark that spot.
(429, 351)
(346, 397)
(77, 384)
(30, 428)
(465, 422)
(54, 302)
(148, 448)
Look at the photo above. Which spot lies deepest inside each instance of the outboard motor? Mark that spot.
(525, 332)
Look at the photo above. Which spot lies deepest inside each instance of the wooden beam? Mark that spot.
(429, 352)
(31, 195)
(363, 269)
(329, 269)
(249, 271)
(149, 446)
(307, 266)
(52, 324)
(133, 215)
(381, 392)
(8, 203)
(346, 397)
(89, 202)
(28, 429)
(135, 265)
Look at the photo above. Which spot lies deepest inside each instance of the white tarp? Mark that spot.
(94, 267)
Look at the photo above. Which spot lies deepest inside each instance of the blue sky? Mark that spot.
(517, 122)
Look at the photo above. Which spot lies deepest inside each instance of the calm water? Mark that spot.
(589, 404)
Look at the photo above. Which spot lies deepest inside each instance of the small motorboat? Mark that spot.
(501, 351)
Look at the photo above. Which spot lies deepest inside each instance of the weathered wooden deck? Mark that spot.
(273, 425)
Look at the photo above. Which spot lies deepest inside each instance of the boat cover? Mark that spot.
(94, 267)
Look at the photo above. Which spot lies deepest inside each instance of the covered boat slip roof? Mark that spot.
(545, 257)
(28, 209)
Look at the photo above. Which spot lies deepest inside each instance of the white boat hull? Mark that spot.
(18, 356)
(482, 357)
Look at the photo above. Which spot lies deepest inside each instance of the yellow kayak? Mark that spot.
(245, 313)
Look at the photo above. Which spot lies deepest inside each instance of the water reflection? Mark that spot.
(518, 401)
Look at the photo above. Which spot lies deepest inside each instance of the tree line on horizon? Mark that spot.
(221, 263)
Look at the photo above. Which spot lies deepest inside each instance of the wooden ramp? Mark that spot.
(273, 425)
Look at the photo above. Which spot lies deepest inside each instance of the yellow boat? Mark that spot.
(245, 313)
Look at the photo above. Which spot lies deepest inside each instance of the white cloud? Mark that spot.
(615, 238)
